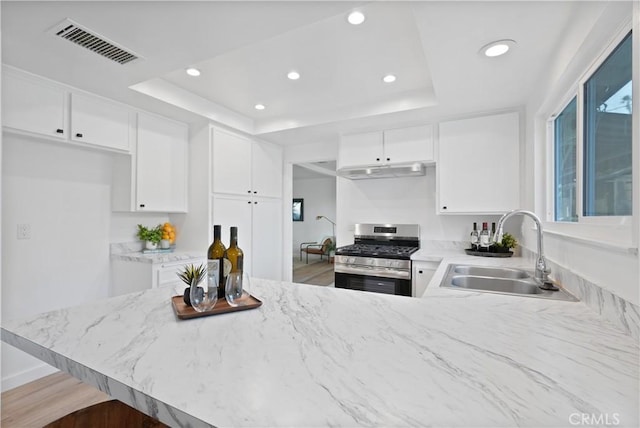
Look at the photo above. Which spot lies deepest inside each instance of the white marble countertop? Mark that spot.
(168, 257)
(318, 356)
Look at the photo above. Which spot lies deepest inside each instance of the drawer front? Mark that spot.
(167, 274)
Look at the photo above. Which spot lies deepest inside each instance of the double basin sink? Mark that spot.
(499, 280)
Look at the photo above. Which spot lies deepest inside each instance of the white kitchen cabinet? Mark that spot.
(389, 147)
(99, 122)
(161, 164)
(241, 166)
(404, 145)
(32, 105)
(266, 238)
(231, 163)
(478, 165)
(422, 272)
(259, 223)
(128, 276)
(361, 149)
(266, 169)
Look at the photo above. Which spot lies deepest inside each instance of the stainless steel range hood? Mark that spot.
(383, 171)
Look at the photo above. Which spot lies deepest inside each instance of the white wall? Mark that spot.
(64, 194)
(319, 196)
(614, 269)
(400, 200)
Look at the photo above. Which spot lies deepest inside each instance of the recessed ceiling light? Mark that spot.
(356, 17)
(389, 78)
(193, 72)
(293, 75)
(497, 48)
(259, 107)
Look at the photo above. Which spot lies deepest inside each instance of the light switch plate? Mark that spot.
(24, 231)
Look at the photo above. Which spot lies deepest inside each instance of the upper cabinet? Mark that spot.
(394, 146)
(36, 106)
(242, 166)
(33, 106)
(99, 122)
(161, 165)
(478, 165)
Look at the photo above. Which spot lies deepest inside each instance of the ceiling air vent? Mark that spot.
(79, 35)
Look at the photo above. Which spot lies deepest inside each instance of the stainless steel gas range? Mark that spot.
(379, 259)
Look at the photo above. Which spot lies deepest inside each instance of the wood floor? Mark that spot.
(317, 272)
(40, 402)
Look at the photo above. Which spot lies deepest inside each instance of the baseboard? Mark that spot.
(26, 376)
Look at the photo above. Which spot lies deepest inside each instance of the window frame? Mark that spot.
(616, 230)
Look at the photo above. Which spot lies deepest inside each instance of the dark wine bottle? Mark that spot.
(215, 259)
(473, 238)
(234, 254)
(492, 247)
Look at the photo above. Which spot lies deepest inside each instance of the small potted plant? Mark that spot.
(192, 275)
(151, 236)
(507, 242)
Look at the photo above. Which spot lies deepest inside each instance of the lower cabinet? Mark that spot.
(129, 276)
(259, 223)
(422, 272)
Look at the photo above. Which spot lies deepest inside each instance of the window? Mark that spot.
(565, 163)
(592, 144)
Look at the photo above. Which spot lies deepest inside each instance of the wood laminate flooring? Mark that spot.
(315, 273)
(42, 401)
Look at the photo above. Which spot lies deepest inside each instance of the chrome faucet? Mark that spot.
(542, 271)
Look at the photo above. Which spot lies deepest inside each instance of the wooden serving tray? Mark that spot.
(185, 312)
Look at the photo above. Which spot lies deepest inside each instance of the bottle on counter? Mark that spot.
(473, 238)
(234, 254)
(485, 238)
(235, 282)
(492, 247)
(215, 260)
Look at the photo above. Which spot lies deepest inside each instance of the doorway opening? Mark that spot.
(314, 219)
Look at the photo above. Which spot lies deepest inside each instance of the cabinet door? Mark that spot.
(360, 149)
(422, 272)
(266, 169)
(231, 163)
(229, 210)
(161, 165)
(267, 238)
(478, 165)
(99, 122)
(409, 144)
(33, 106)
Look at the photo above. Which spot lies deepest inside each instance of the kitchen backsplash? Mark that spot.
(622, 313)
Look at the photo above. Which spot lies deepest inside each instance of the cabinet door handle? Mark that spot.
(444, 208)
(255, 192)
(255, 203)
(141, 205)
(420, 272)
(59, 131)
(248, 191)
(388, 159)
(248, 202)
(78, 135)
(378, 159)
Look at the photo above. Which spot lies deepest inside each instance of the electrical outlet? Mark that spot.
(24, 231)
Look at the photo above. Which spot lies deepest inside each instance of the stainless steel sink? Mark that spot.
(493, 272)
(499, 280)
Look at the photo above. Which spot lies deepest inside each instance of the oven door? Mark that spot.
(377, 284)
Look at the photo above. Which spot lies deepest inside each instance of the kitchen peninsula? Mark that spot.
(314, 356)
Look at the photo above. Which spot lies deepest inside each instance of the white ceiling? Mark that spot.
(245, 49)
(325, 169)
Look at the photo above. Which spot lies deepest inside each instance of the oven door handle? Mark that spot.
(373, 271)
